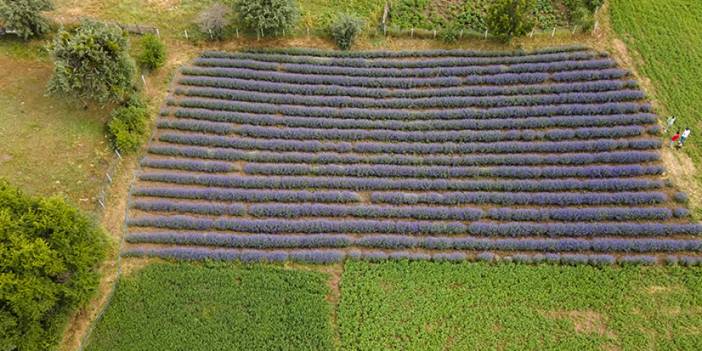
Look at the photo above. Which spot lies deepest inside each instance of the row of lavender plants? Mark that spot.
(190, 165)
(415, 63)
(247, 195)
(379, 93)
(440, 136)
(608, 108)
(400, 242)
(412, 53)
(332, 256)
(423, 72)
(568, 214)
(615, 157)
(571, 121)
(597, 145)
(452, 172)
(407, 83)
(403, 184)
(414, 103)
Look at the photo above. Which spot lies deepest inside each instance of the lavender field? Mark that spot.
(315, 156)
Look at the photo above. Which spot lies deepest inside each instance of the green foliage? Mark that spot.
(451, 34)
(583, 18)
(91, 63)
(345, 29)
(410, 14)
(128, 125)
(217, 306)
(49, 255)
(510, 18)
(25, 16)
(153, 52)
(545, 15)
(268, 17)
(476, 306)
(664, 34)
(214, 21)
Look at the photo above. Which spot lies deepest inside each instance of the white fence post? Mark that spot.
(486, 32)
(186, 34)
(553, 32)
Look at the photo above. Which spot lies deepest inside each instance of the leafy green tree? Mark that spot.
(24, 16)
(153, 52)
(49, 258)
(510, 18)
(129, 125)
(267, 17)
(345, 29)
(92, 63)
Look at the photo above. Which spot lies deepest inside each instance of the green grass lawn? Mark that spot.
(433, 306)
(47, 145)
(217, 307)
(665, 35)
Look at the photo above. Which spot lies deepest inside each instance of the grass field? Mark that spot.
(431, 306)
(217, 307)
(47, 145)
(664, 37)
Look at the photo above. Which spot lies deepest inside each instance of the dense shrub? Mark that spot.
(92, 62)
(345, 29)
(153, 52)
(267, 17)
(49, 254)
(25, 16)
(510, 18)
(214, 20)
(128, 127)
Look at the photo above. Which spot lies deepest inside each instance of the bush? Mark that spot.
(49, 257)
(267, 17)
(510, 18)
(153, 52)
(583, 18)
(24, 16)
(451, 34)
(213, 21)
(345, 29)
(128, 126)
(92, 62)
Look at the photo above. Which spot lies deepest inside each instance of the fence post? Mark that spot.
(412, 32)
(186, 35)
(158, 33)
(118, 154)
(237, 32)
(434, 33)
(486, 31)
(460, 36)
(531, 34)
(553, 32)
(574, 28)
(102, 204)
(594, 29)
(143, 80)
(108, 177)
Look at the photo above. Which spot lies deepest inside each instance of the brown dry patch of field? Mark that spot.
(585, 322)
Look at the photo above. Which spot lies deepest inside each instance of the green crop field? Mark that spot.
(217, 307)
(665, 36)
(432, 306)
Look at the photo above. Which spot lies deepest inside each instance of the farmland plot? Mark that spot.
(314, 156)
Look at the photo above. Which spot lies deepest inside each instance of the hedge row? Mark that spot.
(421, 125)
(407, 83)
(395, 242)
(451, 172)
(334, 90)
(608, 108)
(190, 165)
(515, 198)
(440, 136)
(616, 157)
(274, 226)
(597, 145)
(423, 72)
(414, 103)
(385, 63)
(405, 184)
(245, 195)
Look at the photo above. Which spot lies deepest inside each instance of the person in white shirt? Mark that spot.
(684, 136)
(669, 123)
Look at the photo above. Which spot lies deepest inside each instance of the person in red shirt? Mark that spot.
(675, 138)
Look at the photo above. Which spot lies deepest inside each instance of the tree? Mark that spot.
(49, 258)
(129, 125)
(24, 16)
(214, 21)
(345, 29)
(267, 17)
(92, 63)
(153, 52)
(510, 18)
